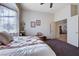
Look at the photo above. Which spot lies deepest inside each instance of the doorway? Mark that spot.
(61, 30)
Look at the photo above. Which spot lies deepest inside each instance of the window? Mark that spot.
(8, 20)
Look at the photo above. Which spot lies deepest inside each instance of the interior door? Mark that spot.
(72, 29)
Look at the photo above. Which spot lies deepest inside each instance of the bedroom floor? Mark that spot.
(62, 49)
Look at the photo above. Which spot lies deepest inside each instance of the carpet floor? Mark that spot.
(62, 49)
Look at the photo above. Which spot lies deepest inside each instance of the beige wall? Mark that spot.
(74, 10)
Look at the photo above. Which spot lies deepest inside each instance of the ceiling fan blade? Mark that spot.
(41, 3)
(51, 5)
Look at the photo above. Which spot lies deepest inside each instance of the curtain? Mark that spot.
(8, 20)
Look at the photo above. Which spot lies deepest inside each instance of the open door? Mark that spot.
(72, 28)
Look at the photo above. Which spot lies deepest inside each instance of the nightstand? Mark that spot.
(22, 33)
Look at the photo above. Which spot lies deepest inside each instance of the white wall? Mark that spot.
(78, 24)
(46, 20)
(63, 13)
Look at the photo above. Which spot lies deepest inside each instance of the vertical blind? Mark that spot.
(8, 20)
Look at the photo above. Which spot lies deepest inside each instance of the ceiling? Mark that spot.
(10, 5)
(43, 8)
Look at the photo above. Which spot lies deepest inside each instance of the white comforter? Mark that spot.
(27, 47)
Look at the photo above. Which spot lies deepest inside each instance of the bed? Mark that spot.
(26, 46)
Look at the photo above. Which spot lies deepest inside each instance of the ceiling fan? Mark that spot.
(51, 4)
